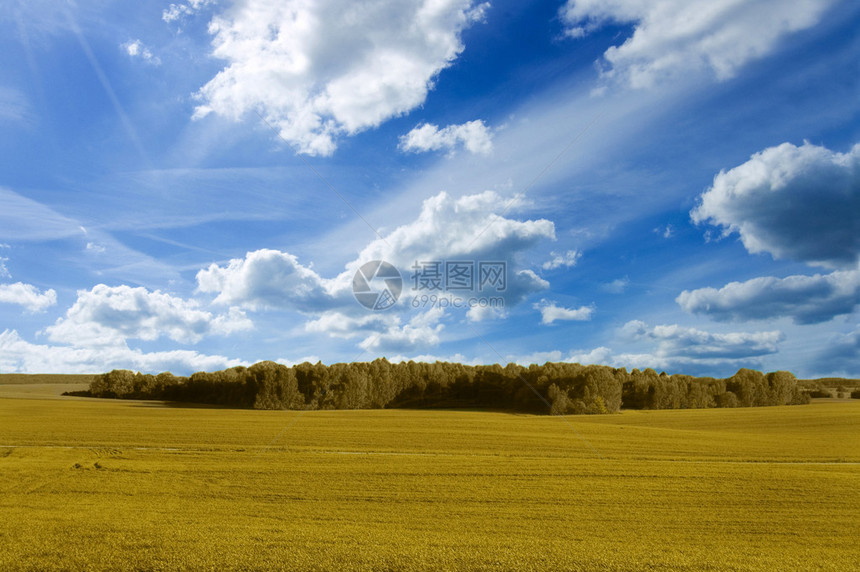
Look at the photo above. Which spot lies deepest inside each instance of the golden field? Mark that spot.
(90, 484)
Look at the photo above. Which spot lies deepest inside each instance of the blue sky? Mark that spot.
(194, 185)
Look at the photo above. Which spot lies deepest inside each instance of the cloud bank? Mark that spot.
(804, 299)
(447, 229)
(26, 295)
(474, 136)
(108, 315)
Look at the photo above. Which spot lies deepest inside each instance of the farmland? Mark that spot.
(109, 484)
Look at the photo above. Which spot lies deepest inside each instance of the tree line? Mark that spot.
(556, 388)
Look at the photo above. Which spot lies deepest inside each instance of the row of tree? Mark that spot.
(557, 388)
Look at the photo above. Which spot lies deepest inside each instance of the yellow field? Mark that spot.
(101, 484)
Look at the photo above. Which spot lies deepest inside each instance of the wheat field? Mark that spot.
(91, 484)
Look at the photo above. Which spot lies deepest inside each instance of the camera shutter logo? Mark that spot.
(377, 285)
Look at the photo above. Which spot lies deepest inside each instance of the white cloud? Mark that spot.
(794, 202)
(136, 49)
(421, 332)
(267, 279)
(4, 272)
(340, 325)
(798, 203)
(433, 358)
(536, 357)
(317, 70)
(617, 286)
(26, 295)
(550, 312)
(95, 247)
(667, 231)
(383, 332)
(474, 136)
(676, 341)
(179, 11)
(292, 362)
(805, 299)
(567, 259)
(674, 37)
(485, 311)
(110, 315)
(712, 367)
(447, 229)
(466, 229)
(599, 356)
(19, 355)
(679, 349)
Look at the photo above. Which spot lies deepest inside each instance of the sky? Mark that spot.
(203, 184)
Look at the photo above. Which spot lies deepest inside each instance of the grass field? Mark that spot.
(43, 378)
(101, 484)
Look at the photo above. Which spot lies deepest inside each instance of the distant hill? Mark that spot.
(829, 382)
(60, 378)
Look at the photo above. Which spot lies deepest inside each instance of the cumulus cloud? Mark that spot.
(805, 299)
(600, 356)
(474, 136)
(550, 312)
(673, 37)
(26, 295)
(267, 279)
(465, 229)
(567, 259)
(341, 325)
(136, 49)
(383, 332)
(318, 70)
(19, 355)
(422, 331)
(108, 315)
(799, 203)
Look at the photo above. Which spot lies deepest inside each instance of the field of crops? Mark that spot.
(105, 484)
